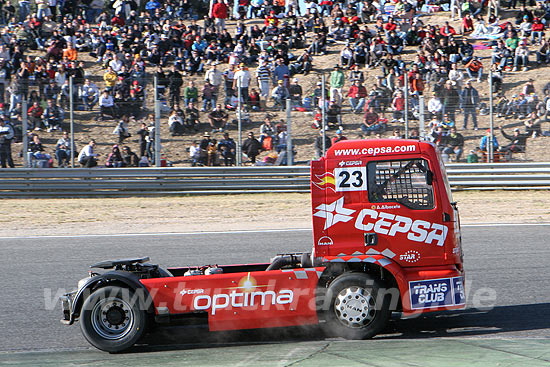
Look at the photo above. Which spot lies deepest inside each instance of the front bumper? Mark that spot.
(67, 305)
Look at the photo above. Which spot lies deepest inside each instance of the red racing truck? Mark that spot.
(386, 238)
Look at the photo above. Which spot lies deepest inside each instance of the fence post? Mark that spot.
(323, 113)
(289, 155)
(155, 85)
(490, 153)
(25, 126)
(421, 121)
(239, 127)
(157, 123)
(406, 95)
(71, 117)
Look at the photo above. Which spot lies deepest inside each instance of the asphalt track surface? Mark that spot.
(510, 262)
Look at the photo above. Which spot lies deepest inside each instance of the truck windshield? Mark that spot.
(407, 182)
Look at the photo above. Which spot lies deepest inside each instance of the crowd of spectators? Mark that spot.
(195, 59)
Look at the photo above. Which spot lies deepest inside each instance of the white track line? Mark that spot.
(505, 224)
(160, 234)
(239, 232)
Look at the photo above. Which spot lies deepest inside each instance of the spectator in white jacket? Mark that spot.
(525, 27)
(87, 158)
(435, 106)
(521, 56)
(106, 105)
(456, 76)
(215, 77)
(89, 94)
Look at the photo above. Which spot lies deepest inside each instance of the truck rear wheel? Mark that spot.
(112, 319)
(357, 310)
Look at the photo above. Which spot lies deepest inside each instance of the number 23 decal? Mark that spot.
(351, 179)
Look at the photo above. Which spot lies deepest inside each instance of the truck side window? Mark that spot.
(407, 182)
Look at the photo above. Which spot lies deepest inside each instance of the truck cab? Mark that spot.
(389, 202)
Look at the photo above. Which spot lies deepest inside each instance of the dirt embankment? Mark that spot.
(30, 217)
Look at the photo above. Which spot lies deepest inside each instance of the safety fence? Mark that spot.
(79, 182)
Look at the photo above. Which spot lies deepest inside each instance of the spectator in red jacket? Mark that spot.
(356, 94)
(271, 20)
(467, 24)
(371, 122)
(398, 104)
(219, 13)
(389, 26)
(117, 20)
(447, 30)
(537, 31)
(417, 85)
(35, 113)
(474, 68)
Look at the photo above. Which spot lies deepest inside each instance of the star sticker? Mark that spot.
(334, 213)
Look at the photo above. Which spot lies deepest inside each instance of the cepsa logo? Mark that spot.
(391, 224)
(369, 220)
(191, 291)
(244, 295)
(349, 163)
(373, 151)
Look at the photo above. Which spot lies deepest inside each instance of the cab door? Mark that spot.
(403, 211)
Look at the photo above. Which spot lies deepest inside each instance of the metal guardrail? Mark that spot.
(220, 180)
(151, 181)
(513, 176)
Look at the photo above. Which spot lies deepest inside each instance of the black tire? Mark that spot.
(355, 310)
(112, 319)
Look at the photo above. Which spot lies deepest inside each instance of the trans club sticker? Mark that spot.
(434, 293)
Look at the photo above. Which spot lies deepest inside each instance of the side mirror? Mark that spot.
(429, 178)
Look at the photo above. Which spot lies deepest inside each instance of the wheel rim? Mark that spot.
(112, 318)
(355, 307)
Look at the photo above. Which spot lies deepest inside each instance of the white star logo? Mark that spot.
(334, 213)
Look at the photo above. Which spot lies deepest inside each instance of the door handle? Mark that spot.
(371, 239)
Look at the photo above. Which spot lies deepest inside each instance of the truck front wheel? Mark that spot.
(357, 308)
(112, 319)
